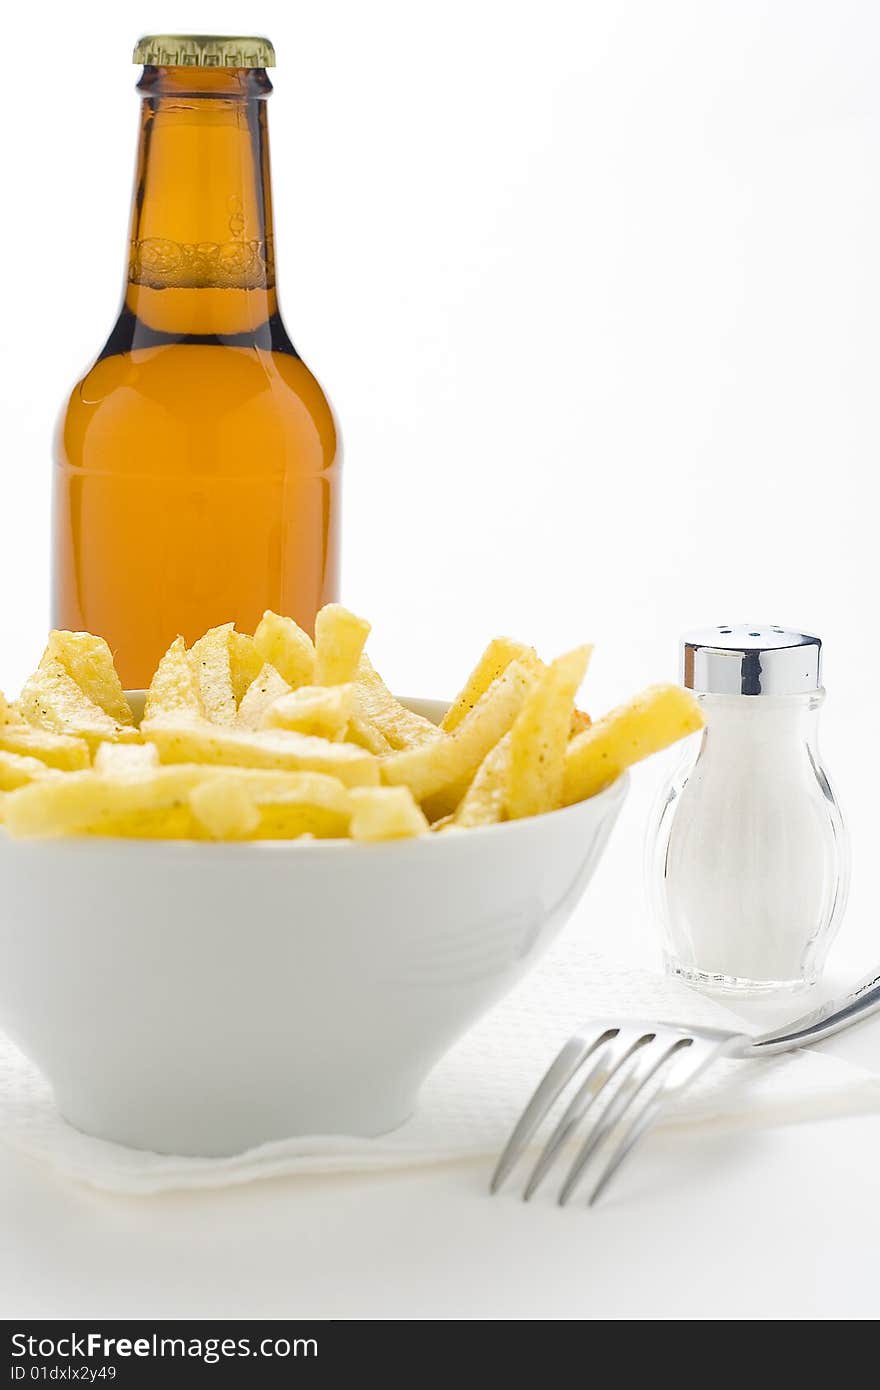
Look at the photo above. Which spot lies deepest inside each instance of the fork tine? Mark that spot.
(623, 1047)
(561, 1070)
(644, 1069)
(672, 1088)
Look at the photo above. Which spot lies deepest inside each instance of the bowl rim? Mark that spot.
(607, 798)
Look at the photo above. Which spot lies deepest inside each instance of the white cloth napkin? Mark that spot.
(469, 1104)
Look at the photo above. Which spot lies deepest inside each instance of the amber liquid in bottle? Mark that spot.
(197, 462)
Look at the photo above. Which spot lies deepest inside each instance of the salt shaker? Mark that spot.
(747, 853)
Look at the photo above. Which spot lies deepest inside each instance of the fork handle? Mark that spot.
(840, 1013)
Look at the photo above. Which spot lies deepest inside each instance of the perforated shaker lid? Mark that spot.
(751, 659)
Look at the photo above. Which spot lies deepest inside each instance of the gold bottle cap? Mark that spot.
(203, 51)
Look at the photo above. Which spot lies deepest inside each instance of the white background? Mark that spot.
(594, 288)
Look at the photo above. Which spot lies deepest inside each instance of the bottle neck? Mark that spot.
(201, 249)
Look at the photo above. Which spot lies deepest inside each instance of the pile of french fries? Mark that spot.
(275, 736)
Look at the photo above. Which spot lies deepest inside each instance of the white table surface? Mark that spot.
(781, 1223)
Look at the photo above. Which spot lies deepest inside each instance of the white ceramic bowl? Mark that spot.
(197, 998)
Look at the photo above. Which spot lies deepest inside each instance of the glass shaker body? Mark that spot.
(747, 853)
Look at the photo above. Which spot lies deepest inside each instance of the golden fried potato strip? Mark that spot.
(126, 759)
(322, 710)
(237, 803)
(224, 808)
(386, 813)
(260, 695)
(498, 655)
(51, 699)
(77, 802)
(485, 801)
(17, 770)
(365, 734)
(89, 661)
(438, 773)
(594, 759)
(540, 736)
(174, 689)
(282, 643)
(196, 741)
(212, 665)
(339, 641)
(181, 801)
(375, 704)
(580, 720)
(245, 663)
(61, 751)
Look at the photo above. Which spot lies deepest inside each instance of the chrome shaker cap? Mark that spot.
(751, 659)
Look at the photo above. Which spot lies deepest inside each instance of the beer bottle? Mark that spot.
(197, 462)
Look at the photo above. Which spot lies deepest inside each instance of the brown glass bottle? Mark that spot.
(197, 462)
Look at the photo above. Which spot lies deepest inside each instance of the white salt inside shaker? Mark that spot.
(747, 853)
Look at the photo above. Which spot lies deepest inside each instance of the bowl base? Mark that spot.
(214, 1137)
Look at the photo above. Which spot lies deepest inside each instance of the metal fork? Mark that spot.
(640, 1069)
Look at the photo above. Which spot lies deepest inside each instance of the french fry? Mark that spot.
(580, 720)
(498, 655)
(150, 823)
(237, 803)
(291, 821)
(312, 805)
(51, 699)
(245, 663)
(266, 786)
(61, 751)
(385, 813)
(323, 710)
(268, 687)
(185, 801)
(17, 771)
(375, 704)
(307, 804)
(174, 689)
(485, 801)
(196, 741)
(438, 773)
(210, 660)
(594, 759)
(339, 642)
(4, 710)
(224, 808)
(286, 647)
(152, 803)
(78, 802)
(365, 734)
(126, 759)
(540, 736)
(89, 661)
